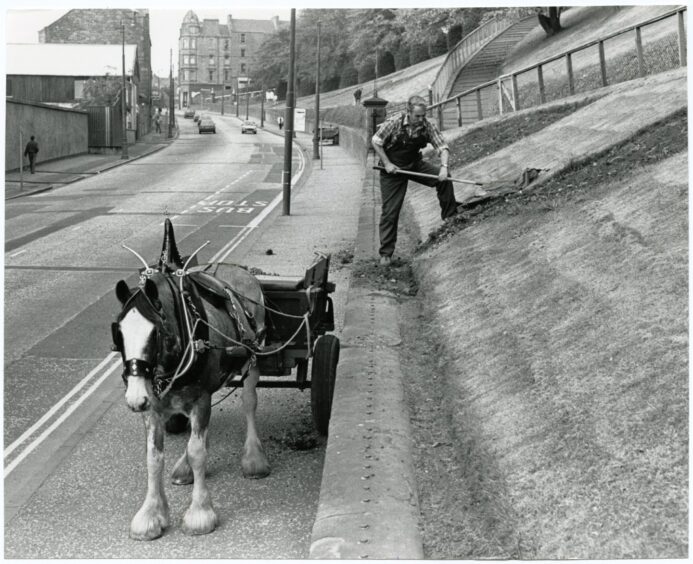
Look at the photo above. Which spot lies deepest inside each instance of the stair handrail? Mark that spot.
(465, 48)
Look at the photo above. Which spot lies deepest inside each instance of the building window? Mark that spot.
(211, 76)
(193, 30)
(227, 61)
(242, 37)
(192, 59)
(193, 43)
(242, 52)
(186, 43)
(226, 44)
(186, 75)
(243, 68)
(211, 60)
(227, 75)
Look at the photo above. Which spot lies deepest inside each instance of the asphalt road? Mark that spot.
(74, 455)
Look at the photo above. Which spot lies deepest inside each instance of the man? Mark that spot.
(157, 121)
(30, 151)
(398, 142)
(357, 97)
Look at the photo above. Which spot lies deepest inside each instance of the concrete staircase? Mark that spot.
(483, 67)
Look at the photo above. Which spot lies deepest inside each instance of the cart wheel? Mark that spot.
(323, 374)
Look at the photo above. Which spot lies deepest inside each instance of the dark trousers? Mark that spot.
(393, 188)
(32, 163)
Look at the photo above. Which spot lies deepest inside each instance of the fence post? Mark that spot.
(500, 96)
(682, 40)
(571, 78)
(602, 63)
(478, 105)
(638, 47)
(516, 97)
(540, 80)
(459, 111)
(441, 125)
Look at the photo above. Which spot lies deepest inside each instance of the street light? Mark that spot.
(316, 134)
(170, 97)
(123, 105)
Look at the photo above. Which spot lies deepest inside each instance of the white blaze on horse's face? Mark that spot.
(136, 331)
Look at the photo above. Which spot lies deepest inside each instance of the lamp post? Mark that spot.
(289, 120)
(170, 97)
(316, 134)
(123, 105)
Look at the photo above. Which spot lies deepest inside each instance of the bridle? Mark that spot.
(187, 318)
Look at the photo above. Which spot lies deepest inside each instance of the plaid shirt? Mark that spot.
(390, 129)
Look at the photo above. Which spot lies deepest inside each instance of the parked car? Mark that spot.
(248, 127)
(206, 123)
(189, 113)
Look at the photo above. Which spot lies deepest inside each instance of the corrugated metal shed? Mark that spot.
(63, 59)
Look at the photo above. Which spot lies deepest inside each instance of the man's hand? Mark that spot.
(390, 168)
(443, 174)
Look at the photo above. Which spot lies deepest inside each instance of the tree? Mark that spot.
(551, 24)
(101, 90)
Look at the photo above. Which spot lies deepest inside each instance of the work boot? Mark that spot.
(385, 260)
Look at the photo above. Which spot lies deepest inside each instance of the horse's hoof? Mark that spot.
(255, 467)
(182, 480)
(199, 521)
(147, 527)
(177, 424)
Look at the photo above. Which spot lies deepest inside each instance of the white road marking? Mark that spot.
(57, 406)
(18, 253)
(32, 446)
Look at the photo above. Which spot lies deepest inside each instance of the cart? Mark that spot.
(299, 314)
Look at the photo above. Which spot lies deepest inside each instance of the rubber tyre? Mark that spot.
(323, 376)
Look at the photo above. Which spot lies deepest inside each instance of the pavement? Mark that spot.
(59, 172)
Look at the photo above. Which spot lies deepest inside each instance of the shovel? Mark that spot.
(432, 176)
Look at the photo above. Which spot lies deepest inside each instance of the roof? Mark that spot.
(68, 59)
(251, 26)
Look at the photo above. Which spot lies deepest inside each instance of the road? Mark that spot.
(74, 455)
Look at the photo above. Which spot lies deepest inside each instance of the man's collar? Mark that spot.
(405, 121)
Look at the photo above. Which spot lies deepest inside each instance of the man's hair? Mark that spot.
(416, 101)
(32, 137)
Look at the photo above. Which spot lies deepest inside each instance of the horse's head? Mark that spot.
(146, 335)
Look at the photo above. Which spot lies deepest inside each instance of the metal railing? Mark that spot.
(464, 50)
(660, 47)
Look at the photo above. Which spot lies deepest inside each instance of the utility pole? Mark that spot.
(170, 98)
(223, 90)
(123, 105)
(316, 133)
(289, 121)
(262, 108)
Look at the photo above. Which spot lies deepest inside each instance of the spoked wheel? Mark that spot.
(323, 375)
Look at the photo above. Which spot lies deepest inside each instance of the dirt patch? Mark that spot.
(549, 389)
(652, 145)
(397, 278)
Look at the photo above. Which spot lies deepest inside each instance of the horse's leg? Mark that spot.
(153, 517)
(254, 462)
(182, 472)
(200, 517)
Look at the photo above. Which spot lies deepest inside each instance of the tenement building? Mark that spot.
(95, 26)
(214, 56)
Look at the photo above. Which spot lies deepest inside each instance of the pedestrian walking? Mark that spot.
(398, 143)
(357, 97)
(30, 151)
(157, 121)
(280, 122)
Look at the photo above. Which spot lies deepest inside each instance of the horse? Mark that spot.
(182, 334)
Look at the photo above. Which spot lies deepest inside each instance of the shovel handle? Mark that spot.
(432, 176)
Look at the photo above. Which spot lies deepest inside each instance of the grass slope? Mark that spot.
(550, 391)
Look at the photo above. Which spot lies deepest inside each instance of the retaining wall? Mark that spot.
(60, 132)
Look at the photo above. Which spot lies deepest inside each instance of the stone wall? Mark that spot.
(59, 132)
